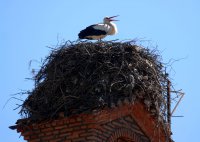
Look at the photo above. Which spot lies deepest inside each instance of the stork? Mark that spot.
(99, 31)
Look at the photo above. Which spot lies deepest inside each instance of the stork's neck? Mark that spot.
(113, 29)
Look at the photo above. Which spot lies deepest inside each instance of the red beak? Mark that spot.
(111, 18)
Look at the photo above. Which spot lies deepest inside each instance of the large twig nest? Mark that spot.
(86, 76)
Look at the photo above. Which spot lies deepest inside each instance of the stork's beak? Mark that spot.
(111, 18)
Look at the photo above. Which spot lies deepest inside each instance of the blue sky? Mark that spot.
(27, 27)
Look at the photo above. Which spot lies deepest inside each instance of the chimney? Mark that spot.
(126, 123)
(97, 92)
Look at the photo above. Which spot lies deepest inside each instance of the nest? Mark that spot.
(84, 76)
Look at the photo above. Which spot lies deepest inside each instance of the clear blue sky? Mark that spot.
(27, 27)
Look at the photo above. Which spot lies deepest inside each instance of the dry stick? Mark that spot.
(83, 51)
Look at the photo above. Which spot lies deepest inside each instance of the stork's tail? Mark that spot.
(81, 35)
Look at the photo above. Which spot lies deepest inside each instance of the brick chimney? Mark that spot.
(98, 92)
(126, 122)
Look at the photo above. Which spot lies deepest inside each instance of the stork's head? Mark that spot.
(109, 19)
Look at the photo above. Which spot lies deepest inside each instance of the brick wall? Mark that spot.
(126, 122)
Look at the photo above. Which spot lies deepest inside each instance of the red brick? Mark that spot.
(85, 134)
(59, 127)
(64, 135)
(60, 122)
(79, 140)
(78, 119)
(48, 125)
(35, 126)
(41, 126)
(27, 133)
(74, 135)
(41, 135)
(48, 133)
(46, 138)
(56, 140)
(75, 124)
(76, 128)
(66, 121)
(67, 141)
(27, 137)
(33, 136)
(66, 130)
(117, 124)
(72, 120)
(53, 124)
(47, 129)
(83, 127)
(35, 140)
(96, 139)
(55, 132)
(106, 125)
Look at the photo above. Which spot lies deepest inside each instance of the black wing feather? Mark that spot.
(90, 31)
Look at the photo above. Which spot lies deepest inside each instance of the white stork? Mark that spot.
(99, 31)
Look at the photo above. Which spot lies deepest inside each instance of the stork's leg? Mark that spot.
(101, 43)
(99, 40)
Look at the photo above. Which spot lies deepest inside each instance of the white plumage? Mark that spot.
(99, 31)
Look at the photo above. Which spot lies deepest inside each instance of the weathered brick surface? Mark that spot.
(127, 122)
